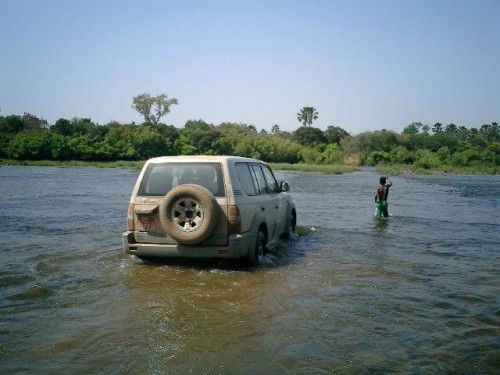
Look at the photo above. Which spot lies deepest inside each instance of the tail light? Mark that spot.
(234, 220)
(130, 217)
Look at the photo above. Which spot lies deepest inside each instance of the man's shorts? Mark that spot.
(381, 209)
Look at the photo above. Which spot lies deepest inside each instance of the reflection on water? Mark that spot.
(415, 293)
(381, 224)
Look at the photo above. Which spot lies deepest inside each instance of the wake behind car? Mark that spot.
(207, 207)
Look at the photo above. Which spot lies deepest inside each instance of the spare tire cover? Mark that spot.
(189, 214)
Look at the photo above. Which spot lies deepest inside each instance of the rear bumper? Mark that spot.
(240, 245)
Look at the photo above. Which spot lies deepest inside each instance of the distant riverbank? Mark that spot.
(322, 168)
(441, 169)
(75, 163)
(330, 169)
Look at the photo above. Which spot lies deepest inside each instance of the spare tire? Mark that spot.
(189, 214)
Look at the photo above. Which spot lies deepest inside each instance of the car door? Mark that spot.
(267, 198)
(279, 203)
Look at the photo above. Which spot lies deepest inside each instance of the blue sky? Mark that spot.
(364, 65)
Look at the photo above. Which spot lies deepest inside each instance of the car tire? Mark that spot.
(189, 214)
(290, 226)
(260, 247)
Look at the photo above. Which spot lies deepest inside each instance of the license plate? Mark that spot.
(146, 223)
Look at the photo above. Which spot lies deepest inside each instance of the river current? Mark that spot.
(417, 293)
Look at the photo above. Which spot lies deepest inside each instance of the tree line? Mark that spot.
(28, 137)
(424, 147)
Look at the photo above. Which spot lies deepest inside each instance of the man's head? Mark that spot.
(382, 180)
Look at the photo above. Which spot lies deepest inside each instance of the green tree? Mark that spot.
(202, 136)
(59, 147)
(16, 124)
(192, 125)
(32, 122)
(493, 151)
(426, 130)
(74, 127)
(30, 145)
(170, 134)
(463, 134)
(307, 136)
(412, 129)
(152, 108)
(491, 132)
(465, 157)
(441, 139)
(121, 139)
(62, 126)
(426, 159)
(414, 136)
(401, 155)
(332, 154)
(287, 151)
(148, 142)
(334, 134)
(236, 132)
(444, 154)
(307, 115)
(437, 128)
(379, 140)
(222, 146)
(11, 124)
(83, 147)
(378, 157)
(275, 130)
(451, 128)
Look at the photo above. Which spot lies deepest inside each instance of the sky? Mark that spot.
(365, 65)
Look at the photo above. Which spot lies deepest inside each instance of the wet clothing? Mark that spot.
(381, 209)
(381, 205)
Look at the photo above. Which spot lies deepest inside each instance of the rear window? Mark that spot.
(159, 179)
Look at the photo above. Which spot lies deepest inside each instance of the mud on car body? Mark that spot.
(207, 207)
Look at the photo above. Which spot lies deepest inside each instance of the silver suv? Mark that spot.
(207, 207)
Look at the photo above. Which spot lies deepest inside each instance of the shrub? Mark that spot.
(463, 158)
(378, 157)
(332, 155)
(426, 159)
(444, 154)
(401, 155)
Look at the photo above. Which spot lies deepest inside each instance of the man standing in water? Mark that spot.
(381, 195)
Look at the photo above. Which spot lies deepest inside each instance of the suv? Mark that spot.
(207, 207)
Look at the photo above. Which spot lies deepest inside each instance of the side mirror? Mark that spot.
(284, 186)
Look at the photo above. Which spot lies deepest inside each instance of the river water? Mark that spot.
(418, 293)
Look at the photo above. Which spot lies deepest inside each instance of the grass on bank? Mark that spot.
(393, 170)
(323, 168)
(330, 169)
(75, 163)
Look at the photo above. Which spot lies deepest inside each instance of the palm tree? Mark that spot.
(307, 115)
(452, 128)
(437, 128)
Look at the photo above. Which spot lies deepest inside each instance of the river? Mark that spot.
(418, 293)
